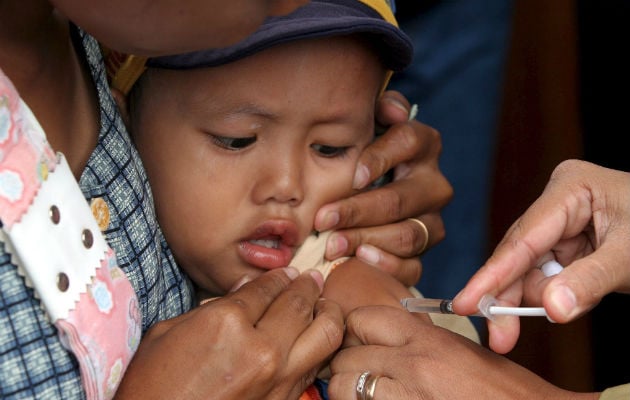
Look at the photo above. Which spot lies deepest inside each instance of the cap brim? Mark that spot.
(316, 19)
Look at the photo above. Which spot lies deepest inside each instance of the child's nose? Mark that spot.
(280, 181)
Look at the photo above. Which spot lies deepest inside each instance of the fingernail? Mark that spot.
(291, 272)
(336, 246)
(318, 277)
(563, 299)
(330, 220)
(361, 177)
(240, 283)
(369, 255)
(398, 104)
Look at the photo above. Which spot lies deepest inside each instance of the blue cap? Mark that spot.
(316, 19)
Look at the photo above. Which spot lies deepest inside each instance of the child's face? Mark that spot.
(241, 156)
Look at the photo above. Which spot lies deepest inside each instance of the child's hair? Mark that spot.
(373, 19)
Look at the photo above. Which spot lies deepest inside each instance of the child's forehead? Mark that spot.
(298, 62)
(276, 83)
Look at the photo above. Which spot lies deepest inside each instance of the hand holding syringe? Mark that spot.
(487, 304)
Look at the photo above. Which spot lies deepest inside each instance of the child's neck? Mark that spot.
(37, 54)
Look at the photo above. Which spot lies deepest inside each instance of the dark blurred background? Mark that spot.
(565, 95)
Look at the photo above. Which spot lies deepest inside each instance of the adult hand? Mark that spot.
(582, 219)
(373, 224)
(266, 340)
(420, 361)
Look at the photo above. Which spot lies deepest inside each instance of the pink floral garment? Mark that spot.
(54, 239)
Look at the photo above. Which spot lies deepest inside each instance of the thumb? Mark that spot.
(583, 283)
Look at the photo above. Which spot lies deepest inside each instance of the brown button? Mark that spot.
(63, 283)
(87, 238)
(54, 214)
(100, 210)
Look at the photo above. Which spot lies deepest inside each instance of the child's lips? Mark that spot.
(265, 257)
(270, 246)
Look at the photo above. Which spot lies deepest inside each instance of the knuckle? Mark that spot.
(446, 189)
(410, 136)
(230, 316)
(438, 233)
(414, 270)
(269, 291)
(390, 202)
(299, 304)
(267, 360)
(434, 137)
(332, 333)
(410, 238)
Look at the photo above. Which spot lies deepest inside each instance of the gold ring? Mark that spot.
(426, 233)
(360, 389)
(370, 387)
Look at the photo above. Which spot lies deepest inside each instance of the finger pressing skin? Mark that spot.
(321, 338)
(404, 239)
(405, 270)
(428, 192)
(292, 311)
(400, 143)
(392, 108)
(256, 296)
(364, 325)
(419, 187)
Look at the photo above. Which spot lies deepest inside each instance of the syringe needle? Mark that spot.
(423, 305)
(487, 307)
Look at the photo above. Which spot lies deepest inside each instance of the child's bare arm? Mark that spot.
(354, 284)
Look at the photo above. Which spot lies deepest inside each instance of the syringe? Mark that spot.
(487, 305)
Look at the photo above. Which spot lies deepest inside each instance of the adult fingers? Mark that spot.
(293, 308)
(255, 297)
(424, 191)
(405, 270)
(406, 238)
(311, 329)
(372, 325)
(551, 218)
(583, 283)
(392, 108)
(321, 338)
(419, 186)
(580, 201)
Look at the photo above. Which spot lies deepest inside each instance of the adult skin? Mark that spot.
(373, 224)
(582, 219)
(419, 361)
(419, 190)
(152, 28)
(257, 360)
(38, 55)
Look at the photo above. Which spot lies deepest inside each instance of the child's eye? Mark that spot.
(231, 143)
(329, 151)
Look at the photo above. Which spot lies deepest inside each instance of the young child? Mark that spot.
(52, 68)
(242, 145)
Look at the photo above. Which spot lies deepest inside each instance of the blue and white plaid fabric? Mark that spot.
(33, 364)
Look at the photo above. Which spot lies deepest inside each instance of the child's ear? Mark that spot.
(121, 102)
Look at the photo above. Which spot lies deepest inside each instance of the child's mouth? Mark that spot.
(268, 243)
